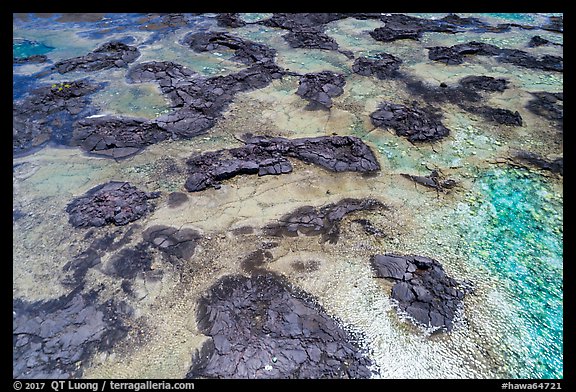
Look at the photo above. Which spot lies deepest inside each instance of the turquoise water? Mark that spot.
(25, 48)
(518, 236)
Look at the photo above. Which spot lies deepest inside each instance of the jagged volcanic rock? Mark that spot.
(382, 66)
(319, 88)
(109, 55)
(48, 112)
(260, 327)
(264, 156)
(455, 55)
(57, 339)
(423, 290)
(114, 202)
(416, 124)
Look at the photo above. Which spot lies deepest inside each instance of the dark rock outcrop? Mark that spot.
(555, 166)
(555, 23)
(486, 83)
(399, 26)
(265, 156)
(260, 327)
(48, 112)
(34, 59)
(57, 339)
(422, 289)
(230, 19)
(319, 88)
(199, 101)
(295, 21)
(246, 52)
(383, 66)
(539, 41)
(417, 125)
(547, 105)
(117, 203)
(113, 54)
(455, 55)
(324, 221)
(116, 137)
(499, 115)
(310, 38)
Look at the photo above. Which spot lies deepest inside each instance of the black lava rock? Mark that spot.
(117, 203)
(310, 38)
(418, 125)
(230, 19)
(51, 339)
(422, 289)
(245, 51)
(555, 166)
(34, 59)
(501, 116)
(116, 137)
(455, 55)
(260, 327)
(324, 221)
(267, 156)
(486, 83)
(319, 88)
(48, 112)
(548, 105)
(382, 66)
(113, 54)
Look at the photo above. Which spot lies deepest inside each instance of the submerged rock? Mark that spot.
(48, 112)
(260, 327)
(422, 289)
(319, 88)
(418, 125)
(555, 166)
(267, 156)
(179, 243)
(548, 105)
(324, 221)
(117, 203)
(113, 54)
(58, 339)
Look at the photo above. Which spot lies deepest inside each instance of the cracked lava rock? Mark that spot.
(416, 124)
(267, 156)
(50, 339)
(260, 327)
(422, 289)
(319, 88)
(115, 202)
(324, 221)
(113, 54)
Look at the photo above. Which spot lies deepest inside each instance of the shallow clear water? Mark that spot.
(500, 228)
(517, 235)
